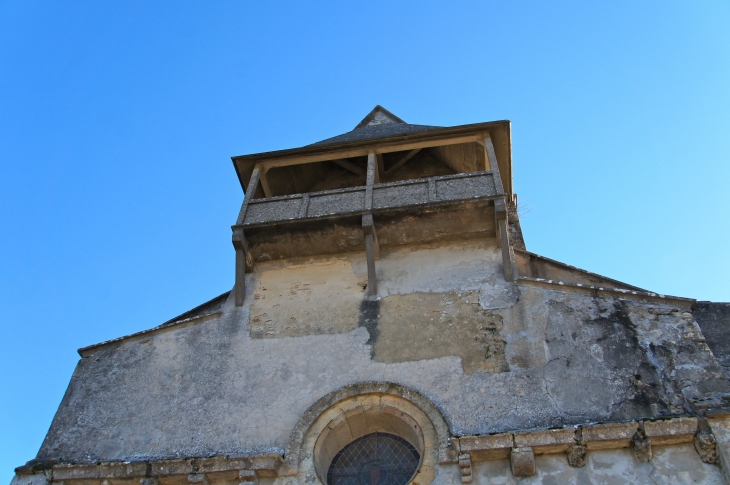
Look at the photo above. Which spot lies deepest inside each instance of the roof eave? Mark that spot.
(244, 164)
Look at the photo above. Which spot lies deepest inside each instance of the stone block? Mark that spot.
(641, 447)
(248, 476)
(213, 464)
(486, 447)
(122, 470)
(171, 467)
(546, 440)
(449, 453)
(522, 461)
(577, 456)
(267, 465)
(75, 472)
(198, 478)
(30, 479)
(671, 431)
(609, 435)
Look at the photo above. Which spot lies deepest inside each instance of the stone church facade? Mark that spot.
(388, 326)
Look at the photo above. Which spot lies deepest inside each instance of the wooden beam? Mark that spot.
(360, 152)
(350, 166)
(239, 287)
(491, 160)
(501, 221)
(403, 160)
(244, 264)
(265, 183)
(372, 252)
(381, 164)
(370, 180)
(250, 192)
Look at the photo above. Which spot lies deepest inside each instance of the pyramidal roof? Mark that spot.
(377, 124)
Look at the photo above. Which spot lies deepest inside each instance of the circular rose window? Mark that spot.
(374, 459)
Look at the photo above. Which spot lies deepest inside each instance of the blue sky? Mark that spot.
(118, 121)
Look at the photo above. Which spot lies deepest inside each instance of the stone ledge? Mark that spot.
(608, 292)
(177, 324)
(606, 436)
(554, 440)
(671, 431)
(486, 447)
(265, 465)
(598, 436)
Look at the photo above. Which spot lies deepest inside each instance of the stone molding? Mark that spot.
(519, 446)
(446, 452)
(361, 415)
(607, 292)
(576, 441)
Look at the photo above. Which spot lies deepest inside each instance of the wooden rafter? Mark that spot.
(403, 160)
(349, 166)
(359, 152)
(381, 164)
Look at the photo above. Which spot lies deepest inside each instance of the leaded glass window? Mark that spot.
(374, 459)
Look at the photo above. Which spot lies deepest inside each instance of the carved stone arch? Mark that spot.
(358, 409)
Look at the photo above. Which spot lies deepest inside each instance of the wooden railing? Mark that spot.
(394, 196)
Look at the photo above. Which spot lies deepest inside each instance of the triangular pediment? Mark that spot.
(378, 116)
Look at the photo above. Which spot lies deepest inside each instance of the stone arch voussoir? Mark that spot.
(411, 402)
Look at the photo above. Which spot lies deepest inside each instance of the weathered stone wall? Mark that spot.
(491, 356)
(714, 319)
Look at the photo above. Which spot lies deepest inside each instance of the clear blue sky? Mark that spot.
(118, 120)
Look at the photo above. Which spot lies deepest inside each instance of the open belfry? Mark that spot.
(388, 326)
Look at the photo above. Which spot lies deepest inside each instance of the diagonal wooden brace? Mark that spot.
(372, 251)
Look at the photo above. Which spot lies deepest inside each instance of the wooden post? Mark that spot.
(240, 285)
(381, 167)
(500, 222)
(243, 258)
(491, 160)
(370, 180)
(500, 213)
(372, 252)
(244, 263)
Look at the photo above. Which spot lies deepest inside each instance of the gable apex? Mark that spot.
(378, 116)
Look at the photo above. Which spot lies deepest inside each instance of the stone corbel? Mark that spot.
(705, 443)
(641, 447)
(522, 462)
(465, 467)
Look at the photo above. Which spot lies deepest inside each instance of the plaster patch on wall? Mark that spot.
(430, 325)
(306, 299)
(456, 266)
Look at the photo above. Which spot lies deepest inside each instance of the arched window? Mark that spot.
(374, 459)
